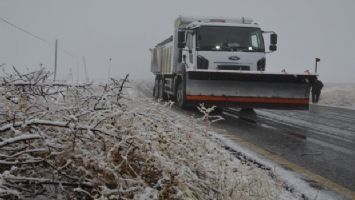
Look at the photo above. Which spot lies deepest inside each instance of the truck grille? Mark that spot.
(233, 67)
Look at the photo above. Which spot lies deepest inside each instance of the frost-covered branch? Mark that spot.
(208, 114)
(19, 138)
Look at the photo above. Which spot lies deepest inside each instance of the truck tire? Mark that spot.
(181, 95)
(161, 94)
(156, 89)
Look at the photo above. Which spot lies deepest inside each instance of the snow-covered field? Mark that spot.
(338, 94)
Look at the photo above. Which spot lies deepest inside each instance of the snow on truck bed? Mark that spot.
(111, 142)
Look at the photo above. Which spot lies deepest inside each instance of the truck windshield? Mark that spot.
(225, 38)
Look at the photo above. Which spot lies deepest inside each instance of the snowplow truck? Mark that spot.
(221, 61)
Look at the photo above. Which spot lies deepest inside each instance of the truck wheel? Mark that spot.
(180, 95)
(156, 89)
(162, 95)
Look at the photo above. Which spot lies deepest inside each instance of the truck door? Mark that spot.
(189, 51)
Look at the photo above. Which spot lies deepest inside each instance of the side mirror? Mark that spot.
(181, 39)
(273, 39)
(272, 47)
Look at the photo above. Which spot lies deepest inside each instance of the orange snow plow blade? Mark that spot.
(249, 89)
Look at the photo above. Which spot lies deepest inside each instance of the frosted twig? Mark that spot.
(19, 138)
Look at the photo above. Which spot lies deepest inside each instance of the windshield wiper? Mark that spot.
(246, 49)
(236, 48)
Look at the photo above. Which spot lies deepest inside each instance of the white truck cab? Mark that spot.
(218, 45)
(224, 44)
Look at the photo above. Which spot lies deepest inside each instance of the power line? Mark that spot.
(25, 31)
(36, 36)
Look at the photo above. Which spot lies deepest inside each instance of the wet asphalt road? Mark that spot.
(322, 140)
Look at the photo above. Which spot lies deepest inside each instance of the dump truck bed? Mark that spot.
(247, 89)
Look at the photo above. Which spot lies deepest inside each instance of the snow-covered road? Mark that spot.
(321, 140)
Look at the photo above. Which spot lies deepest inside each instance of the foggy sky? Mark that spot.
(124, 30)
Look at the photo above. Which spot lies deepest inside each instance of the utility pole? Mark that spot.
(77, 71)
(109, 68)
(317, 60)
(55, 59)
(86, 73)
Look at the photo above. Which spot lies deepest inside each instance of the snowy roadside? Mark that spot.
(293, 181)
(338, 95)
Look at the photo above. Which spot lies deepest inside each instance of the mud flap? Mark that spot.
(249, 90)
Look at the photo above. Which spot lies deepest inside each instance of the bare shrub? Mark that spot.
(86, 141)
